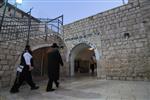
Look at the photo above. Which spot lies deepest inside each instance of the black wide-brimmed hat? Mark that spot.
(55, 45)
(27, 47)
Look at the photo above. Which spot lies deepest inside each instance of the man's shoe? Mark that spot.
(34, 88)
(50, 90)
(57, 84)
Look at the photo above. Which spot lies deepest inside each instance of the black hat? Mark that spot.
(27, 47)
(55, 45)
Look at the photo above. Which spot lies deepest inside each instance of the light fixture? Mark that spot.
(19, 1)
(91, 49)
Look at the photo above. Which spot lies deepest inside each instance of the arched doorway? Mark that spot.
(41, 61)
(40, 57)
(79, 60)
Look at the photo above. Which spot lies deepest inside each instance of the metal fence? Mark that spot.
(16, 28)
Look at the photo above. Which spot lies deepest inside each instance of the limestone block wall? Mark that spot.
(10, 52)
(121, 36)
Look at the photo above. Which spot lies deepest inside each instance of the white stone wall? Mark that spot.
(122, 57)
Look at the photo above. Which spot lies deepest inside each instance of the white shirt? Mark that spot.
(27, 56)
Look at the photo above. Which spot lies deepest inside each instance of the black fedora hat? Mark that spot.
(55, 45)
(27, 47)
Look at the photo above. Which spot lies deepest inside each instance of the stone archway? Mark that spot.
(41, 61)
(76, 50)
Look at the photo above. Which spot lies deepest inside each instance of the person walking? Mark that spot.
(92, 65)
(54, 62)
(25, 74)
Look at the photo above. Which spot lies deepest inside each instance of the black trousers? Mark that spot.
(50, 83)
(24, 76)
(92, 67)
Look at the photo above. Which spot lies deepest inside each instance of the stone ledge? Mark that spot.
(128, 78)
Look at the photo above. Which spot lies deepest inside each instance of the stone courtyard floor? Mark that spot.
(84, 88)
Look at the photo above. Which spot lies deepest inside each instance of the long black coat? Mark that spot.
(54, 62)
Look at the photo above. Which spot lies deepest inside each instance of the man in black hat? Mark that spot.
(54, 62)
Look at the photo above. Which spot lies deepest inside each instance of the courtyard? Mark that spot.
(84, 88)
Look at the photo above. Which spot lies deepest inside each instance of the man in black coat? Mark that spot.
(54, 62)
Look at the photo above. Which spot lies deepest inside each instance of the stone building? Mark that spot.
(118, 39)
(14, 35)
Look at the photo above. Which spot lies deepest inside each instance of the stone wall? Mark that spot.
(10, 52)
(121, 36)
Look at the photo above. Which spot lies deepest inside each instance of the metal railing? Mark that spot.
(16, 28)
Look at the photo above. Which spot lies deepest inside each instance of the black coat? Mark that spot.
(54, 62)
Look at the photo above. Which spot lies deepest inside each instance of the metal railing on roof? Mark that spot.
(16, 28)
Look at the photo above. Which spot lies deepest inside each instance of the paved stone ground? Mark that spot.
(88, 88)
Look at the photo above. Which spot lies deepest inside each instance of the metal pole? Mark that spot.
(6, 1)
(58, 26)
(29, 24)
(54, 19)
(62, 19)
(46, 31)
(15, 9)
(62, 26)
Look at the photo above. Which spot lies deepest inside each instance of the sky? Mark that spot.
(72, 10)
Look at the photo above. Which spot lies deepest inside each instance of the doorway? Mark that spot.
(80, 60)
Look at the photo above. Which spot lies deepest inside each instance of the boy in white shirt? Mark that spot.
(25, 75)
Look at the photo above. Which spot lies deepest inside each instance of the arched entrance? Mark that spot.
(40, 57)
(80, 59)
(41, 62)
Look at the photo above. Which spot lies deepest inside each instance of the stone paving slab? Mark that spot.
(84, 89)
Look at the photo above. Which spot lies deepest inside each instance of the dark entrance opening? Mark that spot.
(40, 63)
(82, 63)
